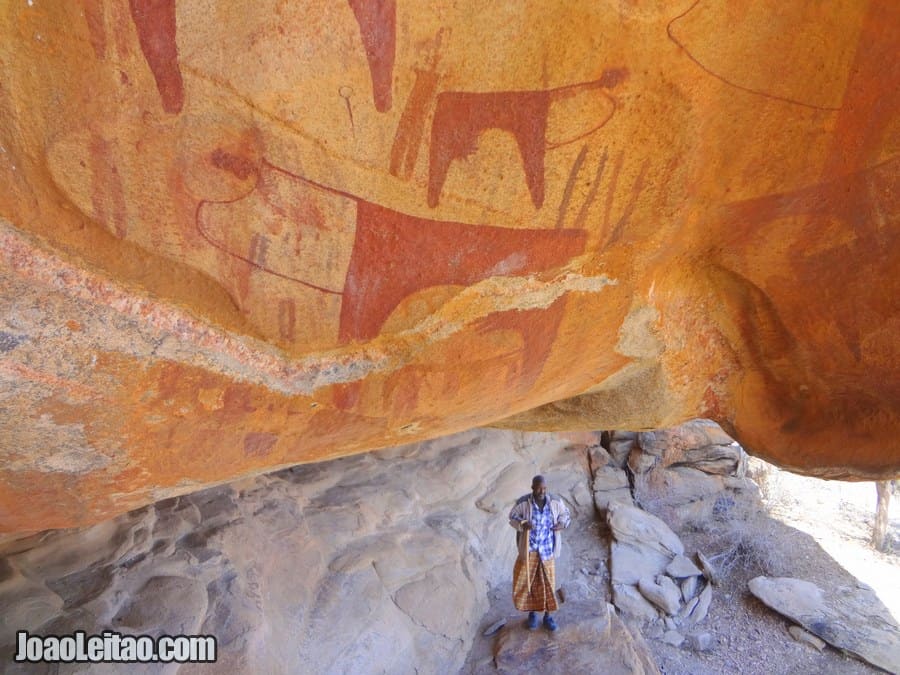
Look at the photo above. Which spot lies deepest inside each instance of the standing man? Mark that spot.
(538, 518)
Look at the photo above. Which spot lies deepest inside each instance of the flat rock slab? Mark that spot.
(681, 567)
(591, 639)
(632, 525)
(851, 619)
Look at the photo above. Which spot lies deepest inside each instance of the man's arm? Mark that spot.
(517, 517)
(565, 518)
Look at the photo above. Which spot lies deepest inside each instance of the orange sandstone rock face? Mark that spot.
(239, 236)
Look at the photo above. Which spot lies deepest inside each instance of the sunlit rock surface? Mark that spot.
(238, 236)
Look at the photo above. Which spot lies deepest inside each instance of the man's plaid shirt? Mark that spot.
(540, 537)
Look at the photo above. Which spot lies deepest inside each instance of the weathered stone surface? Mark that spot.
(594, 642)
(673, 637)
(806, 637)
(662, 592)
(675, 443)
(628, 599)
(629, 563)
(689, 588)
(688, 607)
(609, 478)
(709, 570)
(240, 244)
(640, 462)
(852, 619)
(635, 526)
(681, 567)
(610, 484)
(493, 628)
(700, 642)
(376, 563)
(716, 459)
(619, 449)
(642, 547)
(701, 609)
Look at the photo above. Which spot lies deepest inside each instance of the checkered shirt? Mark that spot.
(540, 537)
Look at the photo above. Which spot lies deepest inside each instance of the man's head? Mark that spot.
(539, 488)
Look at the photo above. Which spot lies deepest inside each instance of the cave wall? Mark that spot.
(237, 237)
(380, 562)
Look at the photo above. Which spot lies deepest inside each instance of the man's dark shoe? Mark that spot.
(532, 620)
(550, 622)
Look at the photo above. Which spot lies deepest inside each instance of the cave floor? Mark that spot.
(747, 636)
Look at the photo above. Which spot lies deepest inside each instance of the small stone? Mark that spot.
(801, 635)
(701, 642)
(689, 588)
(673, 637)
(654, 631)
(681, 567)
(699, 612)
(494, 627)
(709, 571)
(688, 608)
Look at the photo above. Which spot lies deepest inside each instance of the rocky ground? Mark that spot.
(377, 563)
(400, 561)
(839, 516)
(748, 535)
(748, 637)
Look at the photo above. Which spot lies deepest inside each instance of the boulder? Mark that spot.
(629, 600)
(851, 619)
(674, 442)
(629, 563)
(642, 546)
(609, 478)
(610, 484)
(619, 449)
(662, 592)
(635, 526)
(640, 462)
(724, 460)
(684, 485)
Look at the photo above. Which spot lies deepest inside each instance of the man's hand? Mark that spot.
(526, 524)
(557, 528)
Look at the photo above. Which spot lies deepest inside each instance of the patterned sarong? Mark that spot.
(536, 594)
